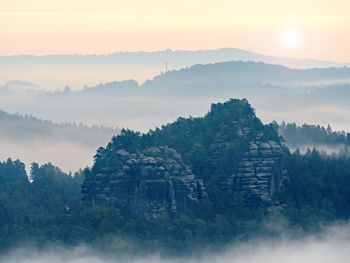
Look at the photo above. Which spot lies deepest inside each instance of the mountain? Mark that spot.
(62, 70)
(225, 75)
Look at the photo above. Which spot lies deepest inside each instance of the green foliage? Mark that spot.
(318, 188)
(192, 138)
(46, 207)
(34, 209)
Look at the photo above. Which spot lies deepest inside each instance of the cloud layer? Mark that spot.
(332, 245)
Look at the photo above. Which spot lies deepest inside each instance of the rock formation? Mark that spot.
(151, 183)
(260, 174)
(229, 146)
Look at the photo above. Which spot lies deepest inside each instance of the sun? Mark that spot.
(290, 37)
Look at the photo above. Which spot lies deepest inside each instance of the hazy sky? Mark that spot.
(295, 28)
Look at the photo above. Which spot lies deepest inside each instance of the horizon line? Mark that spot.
(117, 52)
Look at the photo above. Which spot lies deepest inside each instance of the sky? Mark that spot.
(290, 28)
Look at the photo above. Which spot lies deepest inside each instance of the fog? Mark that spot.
(340, 149)
(189, 92)
(338, 116)
(139, 113)
(147, 112)
(68, 156)
(332, 244)
(184, 93)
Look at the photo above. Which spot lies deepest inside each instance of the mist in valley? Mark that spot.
(67, 145)
(69, 156)
(302, 96)
(127, 105)
(331, 244)
(183, 93)
(147, 112)
(339, 149)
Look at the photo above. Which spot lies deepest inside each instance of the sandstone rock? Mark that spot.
(260, 174)
(151, 183)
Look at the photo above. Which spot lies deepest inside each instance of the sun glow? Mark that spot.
(291, 37)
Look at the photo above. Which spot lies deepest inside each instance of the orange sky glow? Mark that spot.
(290, 28)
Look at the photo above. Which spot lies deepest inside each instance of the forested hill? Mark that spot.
(246, 72)
(27, 128)
(189, 185)
(194, 157)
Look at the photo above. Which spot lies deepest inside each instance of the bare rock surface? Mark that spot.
(152, 183)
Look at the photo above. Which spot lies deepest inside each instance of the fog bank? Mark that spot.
(332, 245)
(67, 156)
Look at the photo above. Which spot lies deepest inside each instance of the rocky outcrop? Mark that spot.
(260, 175)
(229, 147)
(151, 183)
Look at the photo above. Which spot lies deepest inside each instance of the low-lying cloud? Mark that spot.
(66, 155)
(340, 149)
(331, 245)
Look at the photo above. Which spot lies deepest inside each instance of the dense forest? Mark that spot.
(45, 207)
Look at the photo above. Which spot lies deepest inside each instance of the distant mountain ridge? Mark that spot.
(62, 70)
(176, 56)
(248, 72)
(230, 72)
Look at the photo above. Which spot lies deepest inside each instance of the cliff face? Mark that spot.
(166, 171)
(152, 183)
(260, 175)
